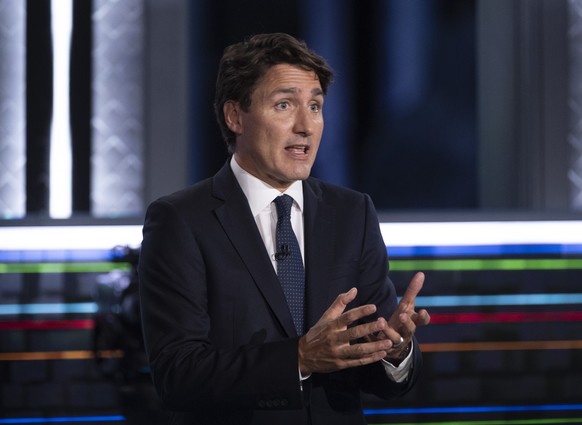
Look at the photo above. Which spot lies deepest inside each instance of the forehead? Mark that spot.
(288, 77)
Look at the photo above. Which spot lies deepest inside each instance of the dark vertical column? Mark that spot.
(218, 24)
(80, 104)
(328, 30)
(39, 97)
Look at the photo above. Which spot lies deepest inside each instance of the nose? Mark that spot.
(303, 122)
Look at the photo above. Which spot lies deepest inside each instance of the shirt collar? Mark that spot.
(260, 194)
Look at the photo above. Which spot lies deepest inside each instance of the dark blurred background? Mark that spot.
(401, 116)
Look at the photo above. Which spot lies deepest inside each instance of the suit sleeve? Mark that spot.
(189, 372)
(375, 287)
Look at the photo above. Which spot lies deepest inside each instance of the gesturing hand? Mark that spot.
(404, 321)
(326, 347)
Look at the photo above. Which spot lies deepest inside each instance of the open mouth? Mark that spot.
(298, 149)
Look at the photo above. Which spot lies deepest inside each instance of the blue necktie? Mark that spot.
(289, 263)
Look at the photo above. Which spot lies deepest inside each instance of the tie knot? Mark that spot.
(283, 204)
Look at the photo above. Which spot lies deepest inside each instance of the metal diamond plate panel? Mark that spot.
(575, 103)
(117, 124)
(12, 109)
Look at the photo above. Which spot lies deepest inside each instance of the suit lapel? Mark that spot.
(319, 219)
(238, 223)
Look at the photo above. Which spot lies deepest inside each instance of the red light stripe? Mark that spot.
(45, 325)
(436, 319)
(509, 317)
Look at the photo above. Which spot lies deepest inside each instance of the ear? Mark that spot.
(232, 116)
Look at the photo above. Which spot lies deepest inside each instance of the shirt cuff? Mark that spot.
(400, 373)
(302, 377)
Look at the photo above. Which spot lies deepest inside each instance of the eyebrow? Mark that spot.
(292, 90)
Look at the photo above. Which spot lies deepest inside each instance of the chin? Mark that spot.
(302, 175)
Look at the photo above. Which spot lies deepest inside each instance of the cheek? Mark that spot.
(318, 133)
(319, 126)
(314, 150)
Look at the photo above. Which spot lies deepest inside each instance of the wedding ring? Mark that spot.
(399, 343)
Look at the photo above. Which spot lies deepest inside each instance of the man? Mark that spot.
(227, 343)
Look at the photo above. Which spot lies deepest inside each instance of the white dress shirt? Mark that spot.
(260, 196)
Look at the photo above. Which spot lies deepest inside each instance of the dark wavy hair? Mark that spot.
(244, 64)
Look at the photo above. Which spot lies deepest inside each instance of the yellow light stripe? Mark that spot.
(61, 355)
(425, 347)
(500, 346)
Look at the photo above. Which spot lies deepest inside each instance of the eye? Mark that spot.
(283, 105)
(315, 107)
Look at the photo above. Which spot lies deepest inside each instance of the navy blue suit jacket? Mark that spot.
(218, 332)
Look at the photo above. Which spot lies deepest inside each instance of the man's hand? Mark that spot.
(326, 347)
(403, 323)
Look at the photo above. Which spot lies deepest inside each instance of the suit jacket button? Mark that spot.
(261, 403)
(269, 403)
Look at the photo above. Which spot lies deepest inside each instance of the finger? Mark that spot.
(421, 318)
(354, 314)
(398, 343)
(391, 334)
(365, 349)
(339, 304)
(414, 287)
(400, 325)
(363, 360)
(385, 333)
(362, 331)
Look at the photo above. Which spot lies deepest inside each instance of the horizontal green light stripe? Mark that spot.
(395, 265)
(97, 267)
(488, 264)
(497, 422)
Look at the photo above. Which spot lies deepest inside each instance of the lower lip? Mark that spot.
(298, 153)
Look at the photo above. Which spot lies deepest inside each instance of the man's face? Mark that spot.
(278, 138)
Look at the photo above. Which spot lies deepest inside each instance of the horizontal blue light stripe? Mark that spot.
(483, 250)
(473, 409)
(504, 299)
(56, 308)
(424, 301)
(49, 255)
(81, 419)
(11, 256)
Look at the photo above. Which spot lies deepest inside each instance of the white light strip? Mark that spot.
(394, 234)
(60, 189)
(69, 237)
(12, 110)
(482, 233)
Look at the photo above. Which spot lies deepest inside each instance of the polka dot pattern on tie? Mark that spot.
(289, 262)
